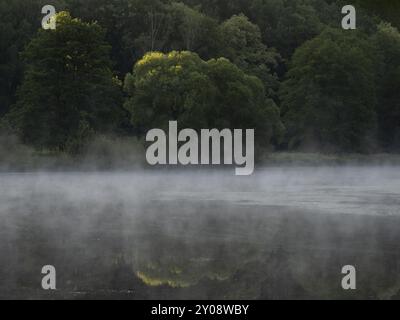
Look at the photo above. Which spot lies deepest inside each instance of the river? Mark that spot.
(283, 233)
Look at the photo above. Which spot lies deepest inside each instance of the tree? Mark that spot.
(133, 27)
(241, 43)
(157, 23)
(198, 94)
(328, 97)
(387, 42)
(68, 89)
(20, 19)
(221, 9)
(120, 19)
(286, 24)
(193, 31)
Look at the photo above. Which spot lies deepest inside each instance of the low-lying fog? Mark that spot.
(281, 233)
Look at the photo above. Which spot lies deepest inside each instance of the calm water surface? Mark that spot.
(279, 234)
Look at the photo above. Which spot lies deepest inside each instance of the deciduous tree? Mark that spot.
(68, 89)
(329, 96)
(198, 94)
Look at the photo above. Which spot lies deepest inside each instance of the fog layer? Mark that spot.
(281, 233)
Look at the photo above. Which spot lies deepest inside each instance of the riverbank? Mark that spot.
(319, 159)
(111, 153)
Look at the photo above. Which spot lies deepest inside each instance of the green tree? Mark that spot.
(158, 24)
(198, 94)
(119, 19)
(286, 24)
(192, 31)
(387, 41)
(133, 27)
(241, 43)
(328, 97)
(20, 20)
(221, 9)
(68, 91)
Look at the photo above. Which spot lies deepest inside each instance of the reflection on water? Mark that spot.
(280, 234)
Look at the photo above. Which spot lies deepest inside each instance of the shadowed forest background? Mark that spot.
(114, 69)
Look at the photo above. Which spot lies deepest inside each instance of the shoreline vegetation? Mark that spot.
(285, 69)
(126, 154)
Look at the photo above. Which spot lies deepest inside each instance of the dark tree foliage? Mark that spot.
(328, 98)
(20, 20)
(68, 91)
(241, 43)
(338, 90)
(387, 41)
(133, 27)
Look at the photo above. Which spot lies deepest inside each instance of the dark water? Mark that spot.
(280, 234)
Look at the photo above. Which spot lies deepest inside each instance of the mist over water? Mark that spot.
(283, 233)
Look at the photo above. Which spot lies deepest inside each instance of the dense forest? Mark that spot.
(122, 67)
